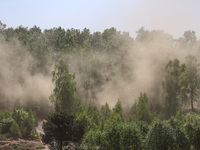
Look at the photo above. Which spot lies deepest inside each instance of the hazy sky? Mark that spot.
(173, 16)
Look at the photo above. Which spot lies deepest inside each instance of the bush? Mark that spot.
(193, 132)
(14, 129)
(5, 125)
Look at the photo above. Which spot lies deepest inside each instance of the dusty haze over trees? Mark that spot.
(108, 66)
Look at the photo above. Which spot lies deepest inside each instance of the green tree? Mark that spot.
(118, 110)
(131, 137)
(143, 110)
(192, 79)
(105, 111)
(160, 136)
(61, 128)
(181, 139)
(193, 132)
(64, 94)
(111, 135)
(28, 124)
(5, 125)
(92, 139)
(172, 87)
(14, 129)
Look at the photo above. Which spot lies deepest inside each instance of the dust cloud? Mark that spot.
(101, 76)
(18, 86)
(141, 69)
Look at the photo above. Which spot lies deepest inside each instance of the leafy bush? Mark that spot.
(14, 129)
(5, 125)
(18, 122)
(193, 132)
(5, 114)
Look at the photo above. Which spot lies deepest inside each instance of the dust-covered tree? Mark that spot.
(192, 79)
(172, 87)
(64, 94)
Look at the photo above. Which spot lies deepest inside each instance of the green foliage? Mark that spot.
(63, 96)
(112, 135)
(105, 111)
(98, 58)
(85, 120)
(61, 128)
(131, 137)
(191, 117)
(172, 87)
(118, 110)
(181, 138)
(192, 79)
(160, 136)
(143, 110)
(180, 115)
(28, 124)
(5, 114)
(91, 139)
(5, 125)
(193, 132)
(133, 110)
(19, 124)
(14, 129)
(143, 128)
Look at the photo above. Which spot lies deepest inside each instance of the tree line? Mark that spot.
(78, 118)
(106, 128)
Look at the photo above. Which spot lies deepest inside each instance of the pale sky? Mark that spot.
(172, 16)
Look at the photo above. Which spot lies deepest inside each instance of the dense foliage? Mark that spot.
(106, 64)
(61, 128)
(18, 124)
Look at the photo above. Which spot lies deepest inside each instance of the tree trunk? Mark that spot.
(59, 145)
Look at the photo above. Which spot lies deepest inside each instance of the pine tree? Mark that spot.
(143, 110)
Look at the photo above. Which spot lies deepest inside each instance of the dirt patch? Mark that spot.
(22, 145)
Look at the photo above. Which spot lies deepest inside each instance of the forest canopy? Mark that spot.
(108, 66)
(107, 89)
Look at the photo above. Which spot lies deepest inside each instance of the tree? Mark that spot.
(192, 79)
(143, 112)
(181, 139)
(14, 129)
(172, 87)
(105, 111)
(28, 124)
(111, 135)
(160, 136)
(5, 125)
(131, 137)
(63, 96)
(193, 132)
(189, 38)
(118, 110)
(2, 26)
(142, 35)
(60, 128)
